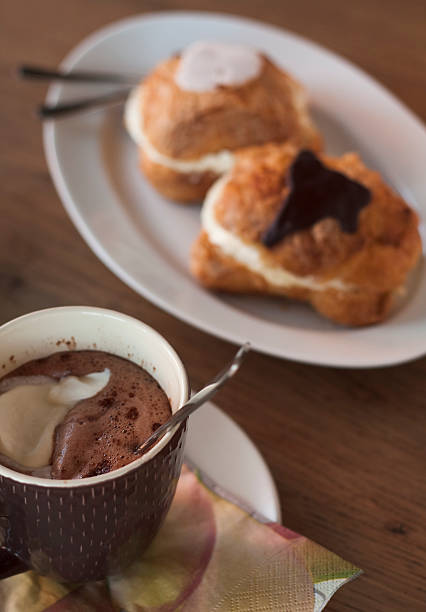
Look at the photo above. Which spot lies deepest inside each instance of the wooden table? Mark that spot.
(346, 447)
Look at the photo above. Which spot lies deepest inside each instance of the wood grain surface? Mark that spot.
(346, 447)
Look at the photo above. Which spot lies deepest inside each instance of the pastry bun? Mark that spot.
(350, 277)
(187, 138)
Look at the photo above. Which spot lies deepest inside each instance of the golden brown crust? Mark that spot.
(187, 125)
(385, 246)
(216, 271)
(374, 261)
(177, 186)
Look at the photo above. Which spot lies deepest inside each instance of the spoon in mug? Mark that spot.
(197, 400)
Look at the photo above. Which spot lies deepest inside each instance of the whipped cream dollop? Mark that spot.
(250, 255)
(31, 408)
(219, 162)
(204, 66)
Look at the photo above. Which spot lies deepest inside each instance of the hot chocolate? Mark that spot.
(76, 414)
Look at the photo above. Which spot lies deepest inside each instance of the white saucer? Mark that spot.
(221, 449)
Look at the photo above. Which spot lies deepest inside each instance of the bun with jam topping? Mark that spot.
(325, 230)
(194, 110)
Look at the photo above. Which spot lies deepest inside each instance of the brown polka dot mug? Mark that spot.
(81, 530)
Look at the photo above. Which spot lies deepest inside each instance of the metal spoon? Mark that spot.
(197, 400)
(48, 111)
(27, 71)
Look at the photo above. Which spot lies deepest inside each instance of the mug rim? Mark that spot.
(146, 457)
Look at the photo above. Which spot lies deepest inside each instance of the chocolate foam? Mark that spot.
(101, 433)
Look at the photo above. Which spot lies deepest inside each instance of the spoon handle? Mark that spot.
(28, 71)
(47, 111)
(198, 399)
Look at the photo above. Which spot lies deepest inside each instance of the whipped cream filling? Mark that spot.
(31, 408)
(219, 162)
(249, 255)
(204, 66)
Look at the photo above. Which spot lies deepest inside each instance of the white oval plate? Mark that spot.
(145, 240)
(223, 451)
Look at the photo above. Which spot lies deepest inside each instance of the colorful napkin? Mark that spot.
(211, 555)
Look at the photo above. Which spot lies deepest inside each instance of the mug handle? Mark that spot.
(10, 564)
